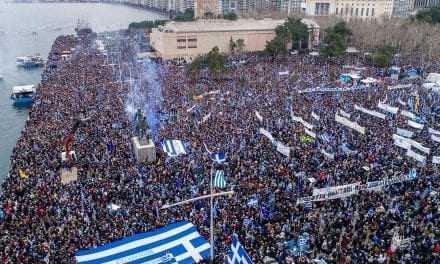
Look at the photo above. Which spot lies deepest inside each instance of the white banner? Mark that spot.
(433, 131)
(351, 189)
(344, 189)
(404, 133)
(310, 133)
(415, 124)
(435, 138)
(416, 156)
(350, 124)
(436, 159)
(267, 134)
(299, 119)
(344, 114)
(328, 155)
(388, 108)
(399, 86)
(259, 117)
(401, 102)
(283, 149)
(408, 114)
(370, 112)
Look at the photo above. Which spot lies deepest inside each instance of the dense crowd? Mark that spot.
(45, 221)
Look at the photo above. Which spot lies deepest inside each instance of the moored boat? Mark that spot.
(30, 61)
(23, 95)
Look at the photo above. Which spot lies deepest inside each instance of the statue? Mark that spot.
(142, 129)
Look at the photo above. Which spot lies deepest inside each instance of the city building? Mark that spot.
(403, 8)
(426, 3)
(206, 8)
(350, 9)
(189, 39)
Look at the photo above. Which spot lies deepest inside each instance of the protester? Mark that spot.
(45, 221)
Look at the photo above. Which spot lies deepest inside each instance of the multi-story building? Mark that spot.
(190, 39)
(426, 3)
(204, 8)
(403, 8)
(350, 9)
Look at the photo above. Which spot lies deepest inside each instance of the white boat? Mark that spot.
(30, 61)
(23, 95)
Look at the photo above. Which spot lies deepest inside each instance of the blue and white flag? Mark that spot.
(238, 254)
(173, 147)
(219, 179)
(412, 174)
(218, 157)
(176, 243)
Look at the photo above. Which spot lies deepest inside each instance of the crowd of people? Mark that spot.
(45, 221)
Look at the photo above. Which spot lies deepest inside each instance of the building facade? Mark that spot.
(204, 7)
(189, 39)
(426, 3)
(350, 9)
(403, 8)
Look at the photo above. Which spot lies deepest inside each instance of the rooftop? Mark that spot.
(227, 25)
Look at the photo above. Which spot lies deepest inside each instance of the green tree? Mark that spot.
(187, 16)
(214, 61)
(335, 40)
(240, 45)
(298, 31)
(382, 56)
(230, 16)
(232, 45)
(292, 31)
(431, 16)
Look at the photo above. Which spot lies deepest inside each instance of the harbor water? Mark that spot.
(29, 28)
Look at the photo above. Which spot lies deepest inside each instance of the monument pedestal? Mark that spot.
(144, 150)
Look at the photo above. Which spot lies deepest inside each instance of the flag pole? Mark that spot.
(212, 219)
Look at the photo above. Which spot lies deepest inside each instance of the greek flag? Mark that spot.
(176, 243)
(173, 147)
(219, 179)
(412, 174)
(237, 255)
(218, 157)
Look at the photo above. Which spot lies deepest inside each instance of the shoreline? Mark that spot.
(139, 7)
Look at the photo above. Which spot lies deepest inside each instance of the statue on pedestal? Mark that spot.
(142, 129)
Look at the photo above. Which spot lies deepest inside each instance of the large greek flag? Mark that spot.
(219, 179)
(237, 255)
(176, 243)
(173, 147)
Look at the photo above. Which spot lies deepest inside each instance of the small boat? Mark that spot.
(30, 61)
(1, 78)
(23, 95)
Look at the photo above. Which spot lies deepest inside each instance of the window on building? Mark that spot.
(351, 12)
(356, 12)
(336, 11)
(346, 11)
(362, 11)
(372, 11)
(367, 12)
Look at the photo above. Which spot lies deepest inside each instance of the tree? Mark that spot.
(292, 31)
(230, 16)
(240, 45)
(299, 32)
(187, 16)
(335, 40)
(382, 56)
(232, 45)
(214, 61)
(431, 16)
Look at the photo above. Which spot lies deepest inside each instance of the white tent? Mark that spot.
(351, 50)
(433, 77)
